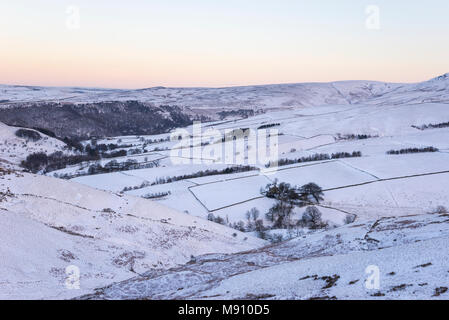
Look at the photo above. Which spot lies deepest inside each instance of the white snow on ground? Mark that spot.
(390, 166)
(289, 281)
(49, 224)
(408, 252)
(304, 132)
(14, 149)
(263, 97)
(222, 194)
(392, 197)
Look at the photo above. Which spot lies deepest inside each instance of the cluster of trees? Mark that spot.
(287, 198)
(244, 113)
(156, 195)
(281, 213)
(311, 218)
(254, 223)
(136, 151)
(115, 166)
(154, 141)
(114, 154)
(106, 147)
(91, 152)
(316, 157)
(354, 136)
(269, 125)
(28, 135)
(36, 162)
(432, 126)
(217, 219)
(95, 149)
(73, 144)
(413, 150)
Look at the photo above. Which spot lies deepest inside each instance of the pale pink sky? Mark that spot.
(139, 43)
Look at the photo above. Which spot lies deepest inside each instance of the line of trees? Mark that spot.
(413, 150)
(156, 195)
(115, 166)
(91, 152)
(229, 170)
(316, 157)
(38, 161)
(269, 125)
(432, 126)
(199, 174)
(354, 136)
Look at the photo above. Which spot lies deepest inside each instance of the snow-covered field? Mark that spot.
(369, 186)
(266, 97)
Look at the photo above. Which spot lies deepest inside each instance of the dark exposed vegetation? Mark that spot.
(40, 161)
(102, 119)
(316, 157)
(153, 141)
(73, 144)
(46, 132)
(216, 219)
(115, 166)
(114, 154)
(413, 150)
(243, 113)
(287, 198)
(156, 195)
(91, 152)
(432, 126)
(355, 136)
(30, 135)
(311, 218)
(269, 125)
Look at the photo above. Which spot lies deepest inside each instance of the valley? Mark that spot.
(299, 197)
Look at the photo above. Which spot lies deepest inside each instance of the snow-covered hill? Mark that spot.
(408, 253)
(279, 96)
(47, 225)
(166, 248)
(14, 149)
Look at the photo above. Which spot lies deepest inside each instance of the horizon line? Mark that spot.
(212, 87)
